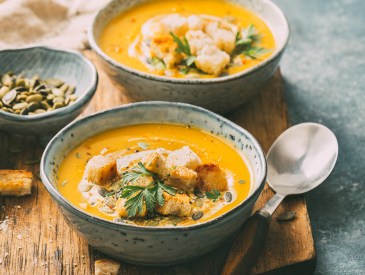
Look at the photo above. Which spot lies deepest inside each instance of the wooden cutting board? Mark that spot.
(35, 239)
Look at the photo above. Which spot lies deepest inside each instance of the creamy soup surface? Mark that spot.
(188, 38)
(155, 175)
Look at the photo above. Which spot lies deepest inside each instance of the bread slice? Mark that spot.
(15, 183)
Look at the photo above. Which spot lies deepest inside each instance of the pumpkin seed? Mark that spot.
(58, 99)
(31, 161)
(58, 92)
(24, 112)
(3, 91)
(20, 106)
(55, 82)
(34, 98)
(7, 80)
(33, 106)
(286, 216)
(228, 196)
(103, 192)
(44, 105)
(199, 194)
(70, 90)
(197, 215)
(40, 111)
(85, 187)
(106, 209)
(41, 95)
(9, 97)
(51, 96)
(58, 105)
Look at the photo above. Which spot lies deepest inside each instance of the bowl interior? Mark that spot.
(265, 9)
(144, 113)
(45, 62)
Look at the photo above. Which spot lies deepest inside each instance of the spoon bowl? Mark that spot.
(301, 158)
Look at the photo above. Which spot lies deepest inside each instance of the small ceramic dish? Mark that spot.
(220, 94)
(148, 245)
(70, 66)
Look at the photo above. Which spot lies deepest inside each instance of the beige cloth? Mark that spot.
(57, 23)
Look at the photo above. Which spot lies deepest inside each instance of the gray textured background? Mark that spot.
(324, 72)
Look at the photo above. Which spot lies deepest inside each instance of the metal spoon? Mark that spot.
(299, 160)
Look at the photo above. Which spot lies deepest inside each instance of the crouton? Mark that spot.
(197, 40)
(182, 178)
(156, 163)
(143, 181)
(15, 183)
(122, 211)
(183, 157)
(177, 205)
(100, 170)
(211, 177)
(212, 60)
(106, 267)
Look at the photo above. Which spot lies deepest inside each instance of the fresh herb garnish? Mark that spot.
(143, 145)
(213, 195)
(184, 47)
(246, 43)
(157, 63)
(77, 155)
(137, 196)
(135, 173)
(242, 181)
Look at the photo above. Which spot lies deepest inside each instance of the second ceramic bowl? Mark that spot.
(221, 94)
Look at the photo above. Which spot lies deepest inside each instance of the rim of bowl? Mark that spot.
(85, 95)
(95, 46)
(113, 225)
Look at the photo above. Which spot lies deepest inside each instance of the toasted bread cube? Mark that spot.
(15, 183)
(155, 163)
(100, 170)
(177, 205)
(122, 211)
(183, 157)
(106, 267)
(212, 60)
(182, 178)
(211, 177)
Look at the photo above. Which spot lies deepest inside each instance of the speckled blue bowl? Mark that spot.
(221, 94)
(70, 66)
(154, 245)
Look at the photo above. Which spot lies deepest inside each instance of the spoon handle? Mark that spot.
(247, 244)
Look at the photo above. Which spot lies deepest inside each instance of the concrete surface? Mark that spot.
(324, 72)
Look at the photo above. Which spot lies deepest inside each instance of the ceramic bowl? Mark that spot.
(221, 94)
(153, 245)
(70, 66)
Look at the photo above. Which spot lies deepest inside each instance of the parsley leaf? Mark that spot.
(246, 43)
(137, 196)
(184, 47)
(213, 195)
(135, 173)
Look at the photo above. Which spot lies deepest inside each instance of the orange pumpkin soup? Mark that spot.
(155, 175)
(188, 38)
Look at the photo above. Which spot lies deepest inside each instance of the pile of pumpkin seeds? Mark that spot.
(31, 96)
